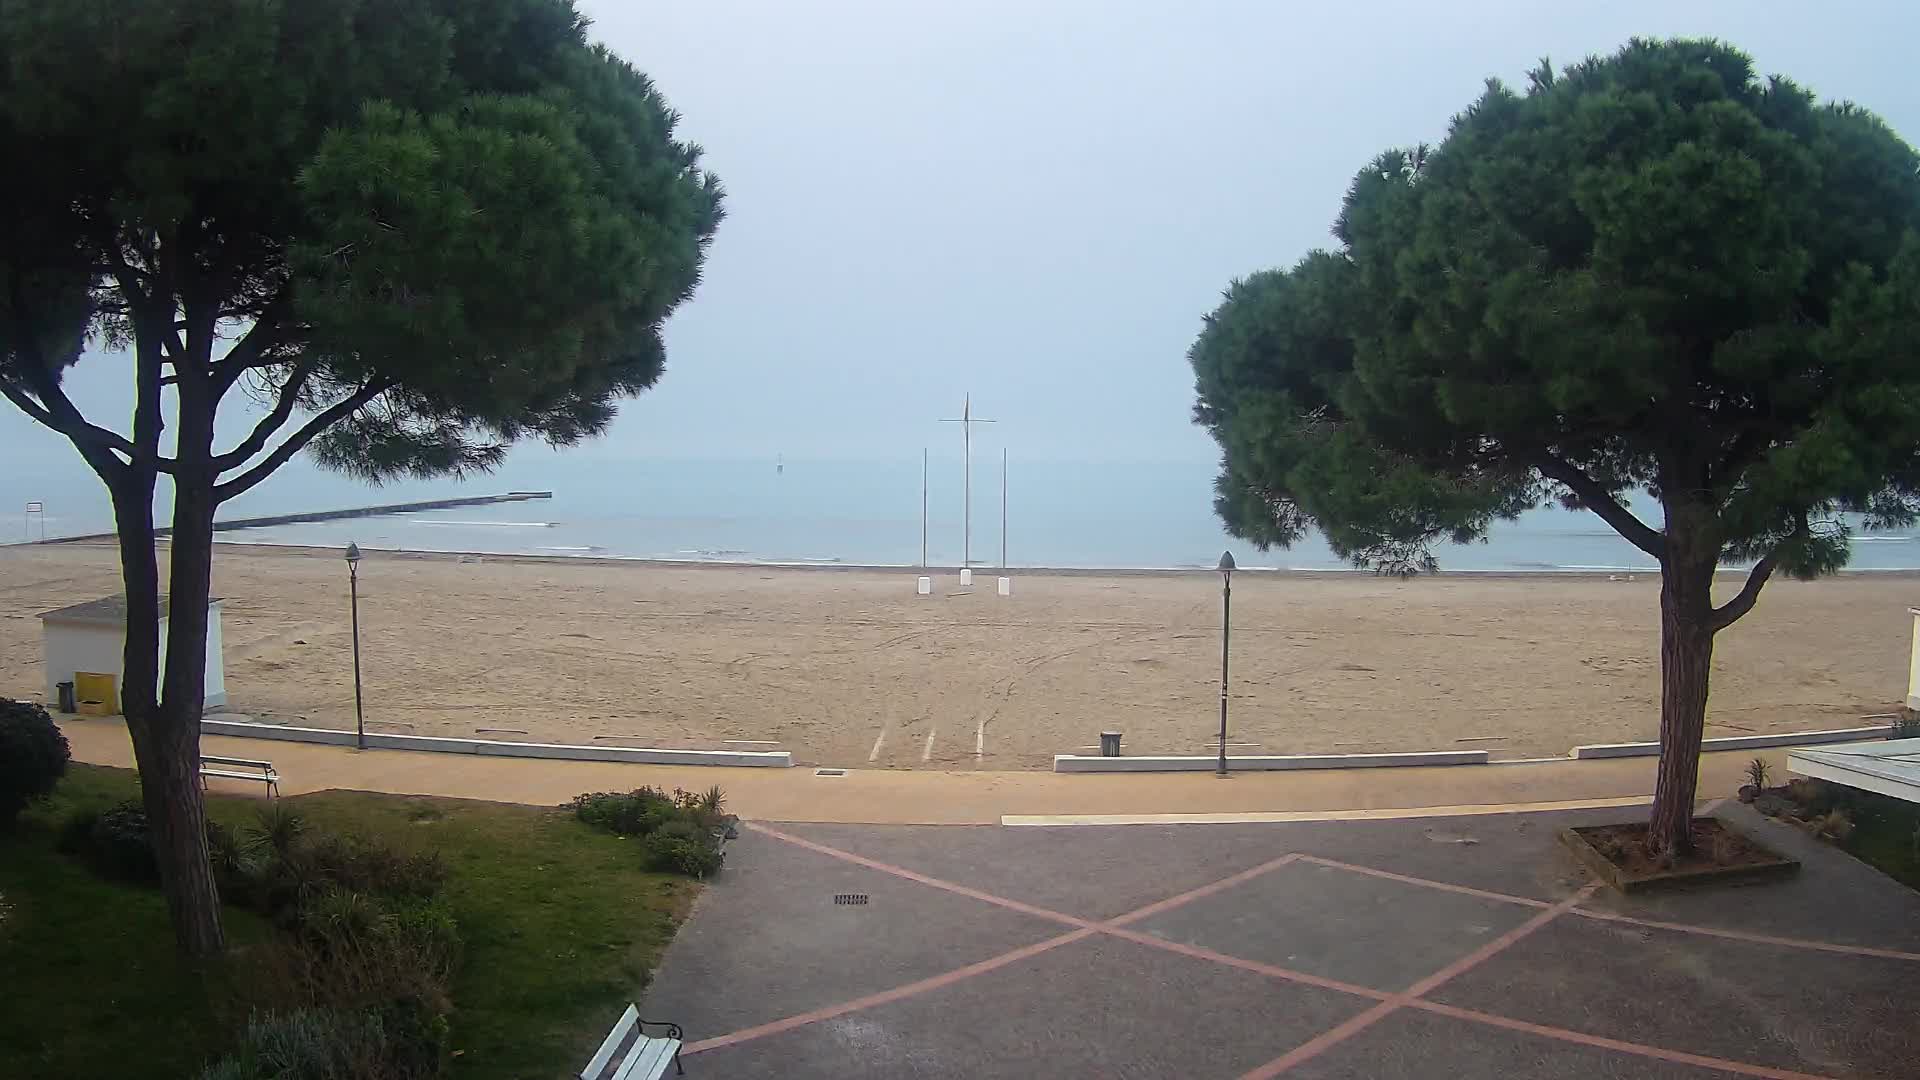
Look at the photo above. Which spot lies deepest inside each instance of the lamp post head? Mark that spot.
(1226, 564)
(353, 553)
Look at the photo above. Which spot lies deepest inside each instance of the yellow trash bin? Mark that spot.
(97, 694)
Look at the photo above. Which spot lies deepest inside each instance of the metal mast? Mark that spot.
(966, 420)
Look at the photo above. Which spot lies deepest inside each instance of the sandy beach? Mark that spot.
(850, 668)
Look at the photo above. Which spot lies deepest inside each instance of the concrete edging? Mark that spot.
(779, 759)
(1078, 763)
(1734, 742)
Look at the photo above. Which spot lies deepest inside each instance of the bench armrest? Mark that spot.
(673, 1030)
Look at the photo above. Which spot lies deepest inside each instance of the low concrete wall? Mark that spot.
(1076, 763)
(1735, 742)
(780, 759)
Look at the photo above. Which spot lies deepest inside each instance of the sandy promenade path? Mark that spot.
(850, 668)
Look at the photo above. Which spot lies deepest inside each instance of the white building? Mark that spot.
(1890, 767)
(91, 637)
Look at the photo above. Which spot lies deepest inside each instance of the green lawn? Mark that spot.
(1886, 835)
(561, 928)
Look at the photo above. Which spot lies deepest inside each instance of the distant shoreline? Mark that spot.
(312, 551)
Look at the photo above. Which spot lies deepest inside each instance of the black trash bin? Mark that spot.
(1109, 744)
(67, 703)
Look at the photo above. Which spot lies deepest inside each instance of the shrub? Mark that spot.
(352, 950)
(386, 1043)
(1814, 797)
(417, 1039)
(281, 878)
(682, 831)
(33, 757)
(371, 866)
(229, 856)
(672, 851)
(1906, 724)
(632, 813)
(75, 836)
(1833, 825)
(275, 828)
(1758, 773)
(118, 845)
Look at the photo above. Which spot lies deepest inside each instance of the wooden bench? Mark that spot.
(629, 1053)
(258, 771)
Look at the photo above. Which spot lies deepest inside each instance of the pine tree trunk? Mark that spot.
(176, 808)
(176, 818)
(166, 750)
(1686, 661)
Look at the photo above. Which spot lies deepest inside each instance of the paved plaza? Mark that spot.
(1462, 947)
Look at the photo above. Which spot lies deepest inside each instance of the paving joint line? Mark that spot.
(1601, 1042)
(1083, 928)
(1425, 883)
(1354, 1025)
(869, 1001)
(1386, 1002)
(1610, 916)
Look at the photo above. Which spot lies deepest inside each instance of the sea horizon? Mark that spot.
(1059, 515)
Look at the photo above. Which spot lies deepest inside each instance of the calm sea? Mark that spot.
(805, 512)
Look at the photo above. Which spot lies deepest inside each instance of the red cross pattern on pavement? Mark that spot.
(1386, 1002)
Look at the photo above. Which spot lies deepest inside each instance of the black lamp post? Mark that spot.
(1226, 629)
(353, 585)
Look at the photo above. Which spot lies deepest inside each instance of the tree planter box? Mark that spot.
(1600, 848)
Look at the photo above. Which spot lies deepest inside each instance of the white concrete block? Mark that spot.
(1264, 762)
(966, 577)
(779, 759)
(924, 587)
(1006, 586)
(1735, 742)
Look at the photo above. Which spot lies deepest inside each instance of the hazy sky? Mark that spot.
(1037, 201)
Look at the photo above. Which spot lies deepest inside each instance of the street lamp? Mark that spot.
(1226, 629)
(353, 585)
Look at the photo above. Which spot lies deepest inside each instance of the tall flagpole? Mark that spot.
(966, 420)
(923, 507)
(1003, 508)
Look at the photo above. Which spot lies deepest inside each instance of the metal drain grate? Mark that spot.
(850, 898)
(829, 772)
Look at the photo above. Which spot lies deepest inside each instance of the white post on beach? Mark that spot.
(966, 420)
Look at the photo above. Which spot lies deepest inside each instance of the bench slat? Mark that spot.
(649, 1059)
(614, 1038)
(256, 777)
(268, 765)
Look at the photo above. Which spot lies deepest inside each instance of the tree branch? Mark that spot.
(55, 410)
(273, 422)
(27, 405)
(1601, 501)
(1749, 446)
(268, 330)
(1728, 613)
(335, 413)
(125, 274)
